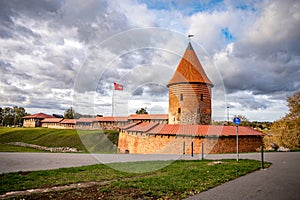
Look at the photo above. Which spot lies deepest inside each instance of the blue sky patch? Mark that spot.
(186, 7)
(228, 35)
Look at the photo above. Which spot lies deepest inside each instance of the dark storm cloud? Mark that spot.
(17, 8)
(155, 90)
(50, 40)
(266, 59)
(138, 91)
(249, 102)
(47, 104)
(264, 78)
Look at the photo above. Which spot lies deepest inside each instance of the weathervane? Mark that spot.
(189, 36)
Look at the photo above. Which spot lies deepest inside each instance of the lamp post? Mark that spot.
(237, 121)
(228, 115)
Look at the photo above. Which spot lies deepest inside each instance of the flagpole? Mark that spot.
(112, 102)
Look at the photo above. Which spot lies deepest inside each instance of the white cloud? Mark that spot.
(50, 50)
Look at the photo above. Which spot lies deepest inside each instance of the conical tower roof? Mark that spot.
(189, 69)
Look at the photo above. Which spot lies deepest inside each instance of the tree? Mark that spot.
(12, 116)
(1, 117)
(7, 116)
(142, 111)
(286, 131)
(19, 113)
(71, 114)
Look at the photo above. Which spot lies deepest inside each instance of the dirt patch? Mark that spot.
(42, 191)
(95, 191)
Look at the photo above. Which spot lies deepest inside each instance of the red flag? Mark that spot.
(118, 86)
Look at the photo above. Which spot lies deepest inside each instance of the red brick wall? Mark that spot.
(189, 104)
(141, 144)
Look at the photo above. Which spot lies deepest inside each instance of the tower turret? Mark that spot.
(189, 92)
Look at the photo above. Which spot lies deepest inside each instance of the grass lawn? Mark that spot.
(10, 148)
(84, 140)
(175, 181)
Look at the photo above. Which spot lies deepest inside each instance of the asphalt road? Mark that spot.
(13, 162)
(281, 181)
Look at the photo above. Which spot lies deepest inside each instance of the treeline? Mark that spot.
(286, 131)
(12, 116)
(245, 122)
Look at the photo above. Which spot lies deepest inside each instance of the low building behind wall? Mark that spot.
(157, 118)
(68, 123)
(178, 139)
(35, 120)
(96, 123)
(111, 123)
(51, 122)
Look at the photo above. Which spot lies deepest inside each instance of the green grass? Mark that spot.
(85, 141)
(10, 148)
(295, 149)
(177, 180)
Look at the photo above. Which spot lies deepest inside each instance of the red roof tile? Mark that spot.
(198, 130)
(143, 127)
(127, 126)
(38, 116)
(148, 116)
(112, 119)
(189, 69)
(86, 120)
(68, 121)
(52, 120)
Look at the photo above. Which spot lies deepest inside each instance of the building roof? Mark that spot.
(143, 127)
(202, 130)
(52, 120)
(148, 116)
(112, 119)
(127, 126)
(189, 69)
(190, 130)
(68, 121)
(86, 120)
(38, 116)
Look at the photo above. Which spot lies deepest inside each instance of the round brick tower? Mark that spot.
(190, 92)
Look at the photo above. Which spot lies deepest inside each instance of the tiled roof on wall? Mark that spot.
(143, 127)
(86, 120)
(148, 116)
(203, 130)
(68, 121)
(112, 119)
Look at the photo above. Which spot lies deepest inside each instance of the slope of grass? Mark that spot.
(176, 181)
(88, 140)
(10, 148)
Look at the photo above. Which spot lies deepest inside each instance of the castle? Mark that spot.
(186, 129)
(189, 128)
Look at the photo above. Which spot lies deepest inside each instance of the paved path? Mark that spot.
(281, 181)
(13, 162)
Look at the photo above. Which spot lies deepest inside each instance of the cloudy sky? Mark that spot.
(56, 54)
